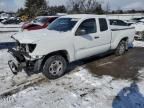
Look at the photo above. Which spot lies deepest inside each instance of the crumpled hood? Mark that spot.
(37, 35)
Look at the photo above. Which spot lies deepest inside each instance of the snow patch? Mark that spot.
(6, 37)
(76, 90)
(141, 73)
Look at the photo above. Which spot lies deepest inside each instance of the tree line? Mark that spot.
(41, 7)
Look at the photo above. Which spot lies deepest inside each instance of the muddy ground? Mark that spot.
(122, 67)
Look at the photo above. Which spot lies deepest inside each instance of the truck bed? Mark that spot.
(118, 31)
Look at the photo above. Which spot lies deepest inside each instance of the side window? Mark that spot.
(87, 27)
(103, 24)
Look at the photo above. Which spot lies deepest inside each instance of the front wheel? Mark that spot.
(54, 67)
(121, 49)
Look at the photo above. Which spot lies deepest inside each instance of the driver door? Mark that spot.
(86, 39)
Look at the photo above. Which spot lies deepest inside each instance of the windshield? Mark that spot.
(63, 24)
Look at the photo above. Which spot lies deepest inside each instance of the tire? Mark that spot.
(126, 45)
(121, 49)
(54, 67)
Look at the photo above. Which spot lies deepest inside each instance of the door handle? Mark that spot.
(96, 37)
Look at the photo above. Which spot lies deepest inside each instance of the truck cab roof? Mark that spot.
(84, 16)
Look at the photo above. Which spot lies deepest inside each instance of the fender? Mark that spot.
(116, 42)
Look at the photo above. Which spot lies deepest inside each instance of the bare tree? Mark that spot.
(73, 6)
(88, 5)
(84, 6)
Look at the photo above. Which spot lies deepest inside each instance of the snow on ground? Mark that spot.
(6, 41)
(5, 75)
(79, 90)
(7, 79)
(6, 37)
(10, 27)
(6, 29)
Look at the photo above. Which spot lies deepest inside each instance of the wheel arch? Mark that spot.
(116, 43)
(125, 39)
(63, 53)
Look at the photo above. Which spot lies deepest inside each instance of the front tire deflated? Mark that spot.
(54, 67)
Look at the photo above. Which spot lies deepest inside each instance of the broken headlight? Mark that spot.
(29, 48)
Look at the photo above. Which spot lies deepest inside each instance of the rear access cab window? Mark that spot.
(103, 24)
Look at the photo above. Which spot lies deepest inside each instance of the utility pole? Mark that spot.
(108, 6)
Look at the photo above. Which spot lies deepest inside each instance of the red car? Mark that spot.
(40, 22)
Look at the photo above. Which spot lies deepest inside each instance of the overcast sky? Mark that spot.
(13, 5)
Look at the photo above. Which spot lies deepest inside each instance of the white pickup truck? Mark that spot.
(67, 39)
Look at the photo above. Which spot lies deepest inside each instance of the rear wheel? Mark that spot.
(54, 67)
(122, 47)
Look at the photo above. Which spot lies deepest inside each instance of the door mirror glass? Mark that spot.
(81, 32)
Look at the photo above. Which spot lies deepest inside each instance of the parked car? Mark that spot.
(139, 28)
(11, 21)
(129, 22)
(1, 20)
(118, 22)
(67, 39)
(4, 16)
(142, 20)
(137, 19)
(40, 22)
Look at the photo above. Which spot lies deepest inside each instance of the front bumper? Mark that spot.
(20, 62)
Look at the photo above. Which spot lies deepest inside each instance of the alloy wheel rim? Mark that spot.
(56, 67)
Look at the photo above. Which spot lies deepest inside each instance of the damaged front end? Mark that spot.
(21, 60)
(18, 62)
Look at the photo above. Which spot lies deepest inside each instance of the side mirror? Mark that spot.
(81, 32)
